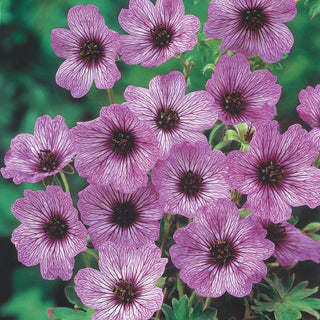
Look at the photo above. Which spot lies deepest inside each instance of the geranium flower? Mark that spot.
(89, 48)
(276, 172)
(171, 114)
(125, 286)
(116, 148)
(217, 252)
(116, 216)
(50, 233)
(240, 95)
(289, 243)
(156, 32)
(192, 176)
(32, 158)
(252, 27)
(309, 110)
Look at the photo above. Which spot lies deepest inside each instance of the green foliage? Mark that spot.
(31, 299)
(182, 309)
(285, 301)
(61, 313)
(314, 7)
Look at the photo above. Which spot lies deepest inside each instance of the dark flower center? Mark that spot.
(160, 36)
(47, 160)
(276, 232)
(124, 214)
(233, 103)
(222, 253)
(270, 173)
(167, 119)
(191, 183)
(124, 291)
(91, 51)
(122, 142)
(56, 228)
(253, 19)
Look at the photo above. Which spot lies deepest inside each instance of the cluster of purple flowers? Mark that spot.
(149, 156)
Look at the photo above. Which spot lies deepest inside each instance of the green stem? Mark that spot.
(56, 179)
(167, 224)
(186, 67)
(65, 182)
(207, 303)
(86, 260)
(192, 298)
(92, 254)
(111, 96)
(179, 287)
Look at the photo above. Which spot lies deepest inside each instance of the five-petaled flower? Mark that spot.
(89, 48)
(171, 114)
(241, 95)
(115, 216)
(32, 158)
(217, 252)
(116, 148)
(252, 27)
(156, 32)
(276, 172)
(125, 286)
(50, 234)
(289, 243)
(192, 176)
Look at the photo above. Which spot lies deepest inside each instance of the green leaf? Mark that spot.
(62, 313)
(314, 7)
(72, 297)
(312, 227)
(285, 301)
(168, 312)
(180, 307)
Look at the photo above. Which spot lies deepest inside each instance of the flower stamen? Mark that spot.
(47, 160)
(160, 36)
(124, 291)
(56, 228)
(91, 51)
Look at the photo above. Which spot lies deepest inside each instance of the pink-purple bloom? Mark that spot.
(276, 173)
(192, 176)
(32, 158)
(240, 95)
(156, 32)
(50, 234)
(89, 48)
(116, 216)
(309, 110)
(217, 252)
(171, 114)
(289, 243)
(252, 27)
(116, 148)
(125, 287)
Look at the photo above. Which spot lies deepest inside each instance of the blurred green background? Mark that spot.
(28, 90)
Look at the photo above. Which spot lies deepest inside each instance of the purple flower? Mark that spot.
(289, 243)
(89, 48)
(156, 32)
(116, 148)
(276, 172)
(172, 115)
(50, 233)
(252, 27)
(192, 176)
(116, 216)
(217, 252)
(309, 110)
(32, 158)
(241, 96)
(125, 288)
